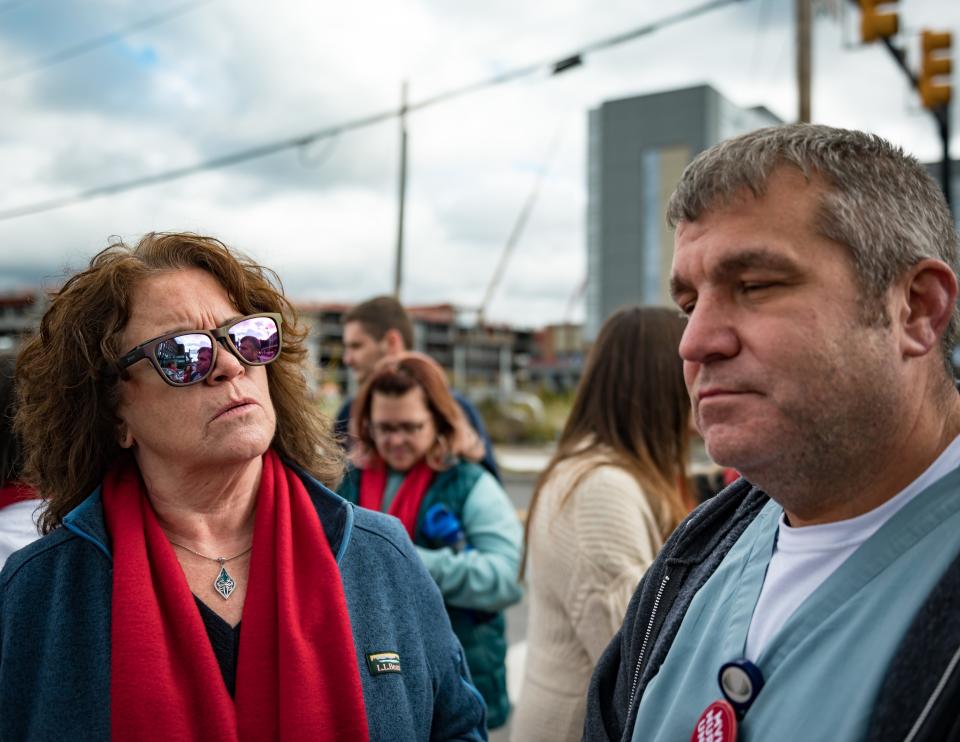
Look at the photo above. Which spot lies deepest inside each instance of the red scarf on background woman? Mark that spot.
(406, 503)
(14, 492)
(297, 673)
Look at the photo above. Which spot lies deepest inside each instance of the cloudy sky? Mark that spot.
(221, 76)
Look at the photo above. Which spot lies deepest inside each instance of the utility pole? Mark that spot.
(804, 64)
(398, 268)
(520, 224)
(945, 167)
(943, 124)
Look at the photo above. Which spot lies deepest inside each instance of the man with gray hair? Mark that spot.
(818, 597)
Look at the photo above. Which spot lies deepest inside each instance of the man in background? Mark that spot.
(380, 328)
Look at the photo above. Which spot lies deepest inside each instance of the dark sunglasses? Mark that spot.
(188, 357)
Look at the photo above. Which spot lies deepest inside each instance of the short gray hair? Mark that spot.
(879, 202)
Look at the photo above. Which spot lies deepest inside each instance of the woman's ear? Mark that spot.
(124, 436)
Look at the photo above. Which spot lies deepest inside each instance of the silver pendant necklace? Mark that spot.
(224, 584)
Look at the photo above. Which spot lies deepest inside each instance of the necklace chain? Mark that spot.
(220, 560)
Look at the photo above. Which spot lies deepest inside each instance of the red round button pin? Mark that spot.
(718, 723)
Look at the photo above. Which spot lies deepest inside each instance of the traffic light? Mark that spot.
(875, 24)
(935, 63)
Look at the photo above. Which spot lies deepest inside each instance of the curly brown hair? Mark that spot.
(67, 384)
(394, 376)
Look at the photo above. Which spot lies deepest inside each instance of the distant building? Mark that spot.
(558, 361)
(486, 356)
(637, 149)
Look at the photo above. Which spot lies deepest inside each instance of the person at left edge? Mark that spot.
(179, 509)
(18, 503)
(415, 453)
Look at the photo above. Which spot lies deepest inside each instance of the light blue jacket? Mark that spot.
(476, 583)
(55, 608)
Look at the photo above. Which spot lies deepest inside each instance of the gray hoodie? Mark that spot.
(919, 700)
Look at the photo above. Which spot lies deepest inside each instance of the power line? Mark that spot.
(183, 172)
(84, 47)
(551, 67)
(518, 226)
(575, 297)
(574, 58)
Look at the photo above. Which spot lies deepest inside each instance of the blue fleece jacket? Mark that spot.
(55, 607)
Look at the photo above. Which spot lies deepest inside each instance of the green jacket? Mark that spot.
(476, 584)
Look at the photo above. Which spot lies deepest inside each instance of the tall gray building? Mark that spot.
(638, 148)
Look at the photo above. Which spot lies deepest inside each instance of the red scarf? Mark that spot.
(13, 492)
(297, 674)
(406, 503)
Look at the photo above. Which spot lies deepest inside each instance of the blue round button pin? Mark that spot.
(740, 682)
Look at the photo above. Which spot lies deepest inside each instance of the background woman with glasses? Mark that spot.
(185, 485)
(415, 459)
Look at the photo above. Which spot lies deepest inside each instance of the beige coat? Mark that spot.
(583, 564)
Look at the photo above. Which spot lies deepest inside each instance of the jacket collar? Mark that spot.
(701, 533)
(336, 516)
(87, 521)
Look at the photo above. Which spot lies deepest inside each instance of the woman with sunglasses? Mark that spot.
(185, 497)
(415, 458)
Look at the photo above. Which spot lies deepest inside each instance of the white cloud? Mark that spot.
(232, 75)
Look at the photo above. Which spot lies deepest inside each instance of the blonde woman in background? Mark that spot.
(610, 496)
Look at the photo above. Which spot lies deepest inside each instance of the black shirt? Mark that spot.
(225, 640)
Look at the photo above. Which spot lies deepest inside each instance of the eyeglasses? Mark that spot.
(382, 430)
(185, 358)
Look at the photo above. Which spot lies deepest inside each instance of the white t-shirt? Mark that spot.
(805, 557)
(18, 527)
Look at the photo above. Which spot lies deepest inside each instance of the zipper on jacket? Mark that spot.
(646, 639)
(934, 697)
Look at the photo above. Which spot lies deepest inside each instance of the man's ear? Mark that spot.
(930, 295)
(393, 342)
